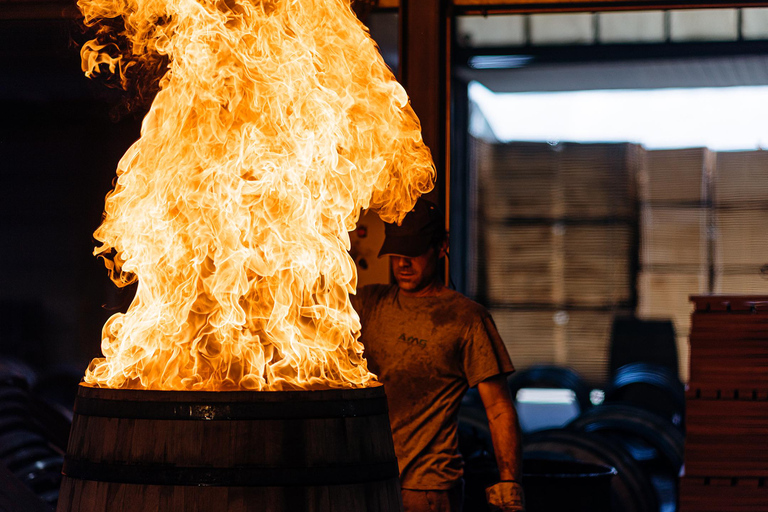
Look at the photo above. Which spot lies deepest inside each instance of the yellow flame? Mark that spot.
(276, 123)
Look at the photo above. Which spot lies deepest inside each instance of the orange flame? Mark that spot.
(276, 123)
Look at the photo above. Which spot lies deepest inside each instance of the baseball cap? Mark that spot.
(418, 230)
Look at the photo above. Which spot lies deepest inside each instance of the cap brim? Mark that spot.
(409, 246)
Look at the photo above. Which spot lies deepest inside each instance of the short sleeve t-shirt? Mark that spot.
(427, 351)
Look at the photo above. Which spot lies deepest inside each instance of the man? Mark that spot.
(429, 344)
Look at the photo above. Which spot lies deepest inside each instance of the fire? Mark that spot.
(276, 123)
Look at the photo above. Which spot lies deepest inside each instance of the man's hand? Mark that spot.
(505, 497)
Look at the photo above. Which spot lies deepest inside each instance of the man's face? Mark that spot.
(417, 273)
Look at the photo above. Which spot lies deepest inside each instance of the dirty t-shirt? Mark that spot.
(427, 351)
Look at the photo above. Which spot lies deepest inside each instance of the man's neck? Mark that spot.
(431, 290)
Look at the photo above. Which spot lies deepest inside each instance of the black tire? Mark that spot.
(627, 424)
(652, 387)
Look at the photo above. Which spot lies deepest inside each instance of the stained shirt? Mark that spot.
(427, 351)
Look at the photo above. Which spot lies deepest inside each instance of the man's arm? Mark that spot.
(507, 495)
(505, 429)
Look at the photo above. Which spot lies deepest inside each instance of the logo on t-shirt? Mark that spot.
(412, 340)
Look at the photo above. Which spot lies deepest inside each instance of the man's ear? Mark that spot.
(443, 249)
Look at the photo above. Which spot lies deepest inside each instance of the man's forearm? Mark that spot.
(505, 430)
(505, 434)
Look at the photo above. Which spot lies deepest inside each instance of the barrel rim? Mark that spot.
(240, 476)
(142, 404)
(229, 411)
(157, 395)
(568, 469)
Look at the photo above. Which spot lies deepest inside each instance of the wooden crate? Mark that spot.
(518, 180)
(599, 180)
(741, 238)
(726, 437)
(531, 337)
(754, 282)
(741, 178)
(665, 296)
(588, 335)
(597, 264)
(707, 494)
(673, 236)
(540, 181)
(521, 264)
(684, 358)
(676, 176)
(558, 264)
(578, 339)
(726, 452)
(729, 342)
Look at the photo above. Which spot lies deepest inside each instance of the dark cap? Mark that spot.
(421, 227)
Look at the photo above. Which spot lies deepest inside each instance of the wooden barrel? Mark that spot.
(235, 451)
(558, 485)
(631, 490)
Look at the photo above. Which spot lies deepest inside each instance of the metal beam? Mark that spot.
(424, 71)
(486, 7)
(65, 9)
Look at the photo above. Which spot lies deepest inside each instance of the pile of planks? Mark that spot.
(576, 338)
(557, 239)
(726, 452)
(740, 222)
(674, 188)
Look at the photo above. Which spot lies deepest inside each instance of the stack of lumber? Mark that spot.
(576, 338)
(740, 178)
(558, 223)
(532, 180)
(726, 453)
(557, 239)
(674, 187)
(559, 264)
(518, 180)
(598, 181)
(740, 222)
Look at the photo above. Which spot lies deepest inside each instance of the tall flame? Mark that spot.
(276, 123)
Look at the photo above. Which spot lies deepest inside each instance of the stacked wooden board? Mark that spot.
(740, 222)
(576, 338)
(557, 239)
(674, 189)
(558, 263)
(726, 453)
(560, 229)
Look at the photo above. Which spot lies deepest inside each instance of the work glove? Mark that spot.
(505, 497)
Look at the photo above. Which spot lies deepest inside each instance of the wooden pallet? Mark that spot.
(599, 180)
(726, 451)
(537, 180)
(741, 237)
(673, 236)
(729, 342)
(518, 180)
(741, 178)
(559, 264)
(751, 281)
(708, 494)
(578, 339)
(676, 176)
(727, 432)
